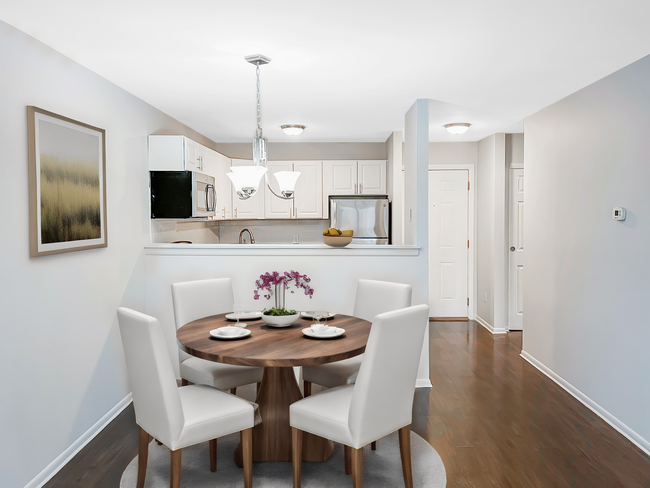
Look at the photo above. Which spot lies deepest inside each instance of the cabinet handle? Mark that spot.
(360, 189)
(224, 213)
(355, 188)
(235, 212)
(295, 213)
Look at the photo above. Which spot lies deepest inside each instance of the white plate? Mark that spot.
(218, 335)
(245, 316)
(310, 333)
(310, 315)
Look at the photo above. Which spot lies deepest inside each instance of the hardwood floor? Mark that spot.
(493, 418)
(498, 422)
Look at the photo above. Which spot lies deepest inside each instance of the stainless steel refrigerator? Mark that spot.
(368, 216)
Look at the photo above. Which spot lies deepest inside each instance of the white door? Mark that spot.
(448, 244)
(372, 177)
(274, 207)
(253, 208)
(308, 202)
(516, 251)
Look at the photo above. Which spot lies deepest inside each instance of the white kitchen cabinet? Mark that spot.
(253, 208)
(218, 165)
(308, 202)
(176, 153)
(308, 198)
(372, 177)
(366, 177)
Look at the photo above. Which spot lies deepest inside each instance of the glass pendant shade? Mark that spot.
(287, 181)
(246, 179)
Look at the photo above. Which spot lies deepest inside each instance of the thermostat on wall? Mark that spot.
(618, 213)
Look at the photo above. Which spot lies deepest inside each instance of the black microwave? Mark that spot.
(182, 194)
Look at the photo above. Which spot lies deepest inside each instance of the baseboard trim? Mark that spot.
(63, 459)
(622, 428)
(448, 319)
(493, 330)
(423, 383)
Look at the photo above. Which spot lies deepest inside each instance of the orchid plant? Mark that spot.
(268, 281)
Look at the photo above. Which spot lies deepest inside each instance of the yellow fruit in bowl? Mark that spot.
(347, 233)
(334, 232)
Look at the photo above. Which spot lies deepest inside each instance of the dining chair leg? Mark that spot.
(184, 382)
(306, 388)
(405, 454)
(143, 453)
(213, 454)
(357, 467)
(233, 391)
(246, 436)
(373, 445)
(175, 475)
(348, 459)
(296, 455)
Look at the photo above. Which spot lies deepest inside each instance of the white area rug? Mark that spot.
(381, 468)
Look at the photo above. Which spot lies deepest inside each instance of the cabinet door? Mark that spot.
(253, 208)
(274, 207)
(201, 157)
(224, 188)
(339, 178)
(191, 155)
(308, 202)
(372, 178)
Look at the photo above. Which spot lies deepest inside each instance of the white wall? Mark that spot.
(588, 276)
(60, 352)
(453, 152)
(297, 151)
(491, 239)
(514, 149)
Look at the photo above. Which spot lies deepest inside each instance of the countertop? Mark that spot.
(278, 250)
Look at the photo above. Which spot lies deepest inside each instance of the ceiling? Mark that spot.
(348, 70)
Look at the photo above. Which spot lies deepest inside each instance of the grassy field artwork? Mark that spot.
(70, 200)
(67, 189)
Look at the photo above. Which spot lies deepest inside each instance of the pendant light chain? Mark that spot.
(259, 112)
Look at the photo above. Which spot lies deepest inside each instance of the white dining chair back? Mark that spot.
(382, 400)
(193, 300)
(156, 400)
(375, 297)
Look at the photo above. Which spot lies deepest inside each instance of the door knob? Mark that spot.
(512, 248)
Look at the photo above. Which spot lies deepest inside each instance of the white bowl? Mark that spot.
(280, 320)
(230, 331)
(337, 241)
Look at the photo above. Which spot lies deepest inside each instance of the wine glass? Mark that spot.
(317, 316)
(238, 309)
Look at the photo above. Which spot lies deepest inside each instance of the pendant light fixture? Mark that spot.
(246, 179)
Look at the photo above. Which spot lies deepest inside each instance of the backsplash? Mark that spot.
(227, 232)
(274, 231)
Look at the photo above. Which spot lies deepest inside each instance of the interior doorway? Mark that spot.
(449, 243)
(516, 250)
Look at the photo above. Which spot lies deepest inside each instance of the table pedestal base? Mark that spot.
(272, 438)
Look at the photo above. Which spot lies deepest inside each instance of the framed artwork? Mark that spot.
(67, 184)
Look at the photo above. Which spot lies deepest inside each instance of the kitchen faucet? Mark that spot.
(241, 240)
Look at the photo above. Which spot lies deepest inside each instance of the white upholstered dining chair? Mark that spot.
(379, 403)
(177, 417)
(193, 300)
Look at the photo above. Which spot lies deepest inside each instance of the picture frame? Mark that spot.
(67, 184)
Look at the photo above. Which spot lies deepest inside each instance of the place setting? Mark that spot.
(238, 330)
(320, 330)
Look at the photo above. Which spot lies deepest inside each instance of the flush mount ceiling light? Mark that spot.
(292, 130)
(246, 179)
(457, 128)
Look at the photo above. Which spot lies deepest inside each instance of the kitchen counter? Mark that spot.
(278, 250)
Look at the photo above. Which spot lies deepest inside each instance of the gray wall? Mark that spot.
(60, 353)
(453, 152)
(588, 276)
(514, 149)
(295, 151)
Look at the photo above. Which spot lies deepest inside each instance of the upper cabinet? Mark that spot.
(218, 165)
(307, 202)
(352, 178)
(253, 208)
(176, 153)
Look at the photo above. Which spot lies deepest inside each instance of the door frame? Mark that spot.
(472, 279)
(519, 165)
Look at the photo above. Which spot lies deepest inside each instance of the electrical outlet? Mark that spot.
(485, 297)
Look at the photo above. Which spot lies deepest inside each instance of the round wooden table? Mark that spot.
(278, 350)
